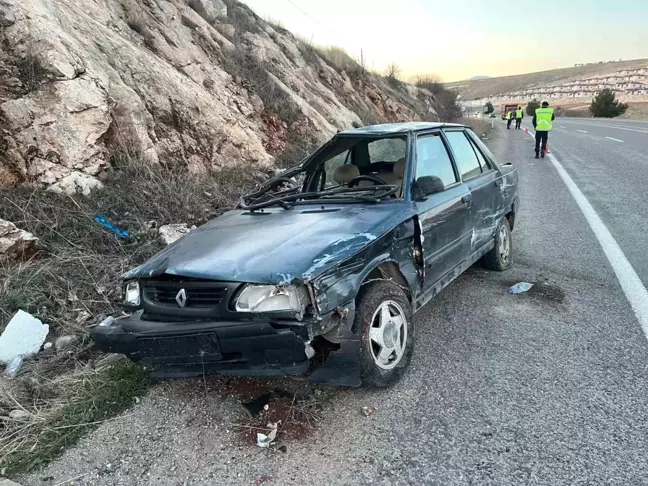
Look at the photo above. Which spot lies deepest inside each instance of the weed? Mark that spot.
(31, 72)
(87, 398)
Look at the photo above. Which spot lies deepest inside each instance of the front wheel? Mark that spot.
(384, 318)
(500, 258)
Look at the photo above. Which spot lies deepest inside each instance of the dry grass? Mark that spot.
(59, 409)
(75, 283)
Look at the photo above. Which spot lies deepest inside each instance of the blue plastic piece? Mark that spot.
(121, 233)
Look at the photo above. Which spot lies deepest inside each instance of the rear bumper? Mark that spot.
(190, 349)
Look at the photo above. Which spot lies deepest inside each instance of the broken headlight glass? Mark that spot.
(132, 293)
(272, 298)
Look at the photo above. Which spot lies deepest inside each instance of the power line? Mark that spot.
(306, 14)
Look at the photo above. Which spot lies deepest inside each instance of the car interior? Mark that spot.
(381, 159)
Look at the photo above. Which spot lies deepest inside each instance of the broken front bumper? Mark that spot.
(185, 349)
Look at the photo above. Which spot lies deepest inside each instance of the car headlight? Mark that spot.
(132, 293)
(271, 298)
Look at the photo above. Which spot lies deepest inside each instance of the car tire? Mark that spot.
(500, 258)
(384, 319)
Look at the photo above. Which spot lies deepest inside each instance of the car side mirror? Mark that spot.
(426, 186)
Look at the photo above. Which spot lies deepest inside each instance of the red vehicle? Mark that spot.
(508, 108)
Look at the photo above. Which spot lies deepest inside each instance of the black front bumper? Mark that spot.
(182, 349)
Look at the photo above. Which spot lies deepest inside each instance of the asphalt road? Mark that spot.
(546, 388)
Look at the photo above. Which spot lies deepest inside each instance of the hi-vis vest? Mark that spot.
(543, 119)
(509, 115)
(518, 113)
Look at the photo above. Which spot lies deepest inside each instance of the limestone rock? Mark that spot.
(180, 82)
(16, 243)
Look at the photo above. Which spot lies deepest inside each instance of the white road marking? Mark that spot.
(612, 126)
(615, 139)
(562, 127)
(582, 131)
(631, 284)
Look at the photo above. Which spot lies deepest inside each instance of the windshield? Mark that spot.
(345, 170)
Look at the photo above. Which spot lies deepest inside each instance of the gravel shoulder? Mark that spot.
(545, 388)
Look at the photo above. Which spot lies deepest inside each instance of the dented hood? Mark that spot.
(276, 245)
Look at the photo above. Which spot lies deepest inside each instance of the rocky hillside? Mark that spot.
(201, 83)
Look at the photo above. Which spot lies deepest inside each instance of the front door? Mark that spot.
(445, 216)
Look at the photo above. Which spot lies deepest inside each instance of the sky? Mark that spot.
(456, 40)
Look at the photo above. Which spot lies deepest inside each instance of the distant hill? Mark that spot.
(482, 88)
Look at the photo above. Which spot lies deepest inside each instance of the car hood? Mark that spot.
(277, 245)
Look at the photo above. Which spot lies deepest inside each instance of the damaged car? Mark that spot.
(320, 270)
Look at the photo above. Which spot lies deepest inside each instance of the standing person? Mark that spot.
(519, 114)
(509, 118)
(543, 123)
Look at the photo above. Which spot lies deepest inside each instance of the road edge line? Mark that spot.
(631, 284)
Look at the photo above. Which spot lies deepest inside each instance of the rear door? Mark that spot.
(445, 216)
(483, 181)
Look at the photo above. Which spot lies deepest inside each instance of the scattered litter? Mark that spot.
(255, 406)
(283, 449)
(64, 342)
(23, 336)
(47, 345)
(151, 224)
(266, 407)
(520, 288)
(170, 233)
(19, 415)
(121, 233)
(108, 321)
(367, 411)
(265, 440)
(13, 367)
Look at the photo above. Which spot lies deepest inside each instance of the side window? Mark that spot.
(482, 161)
(465, 157)
(433, 159)
(482, 148)
(387, 150)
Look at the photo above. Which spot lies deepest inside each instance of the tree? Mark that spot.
(393, 71)
(489, 108)
(532, 106)
(605, 105)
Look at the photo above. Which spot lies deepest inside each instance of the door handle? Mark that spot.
(467, 200)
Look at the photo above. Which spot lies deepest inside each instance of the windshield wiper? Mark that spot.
(288, 199)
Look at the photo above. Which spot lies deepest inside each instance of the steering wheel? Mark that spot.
(376, 180)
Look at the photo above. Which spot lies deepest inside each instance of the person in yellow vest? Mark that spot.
(519, 114)
(509, 118)
(543, 123)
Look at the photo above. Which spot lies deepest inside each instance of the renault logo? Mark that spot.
(181, 298)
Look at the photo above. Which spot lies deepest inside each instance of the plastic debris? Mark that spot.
(367, 411)
(170, 233)
(19, 415)
(23, 336)
(108, 321)
(265, 440)
(47, 345)
(64, 342)
(14, 367)
(520, 288)
(121, 233)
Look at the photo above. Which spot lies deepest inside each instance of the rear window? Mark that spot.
(387, 150)
(464, 154)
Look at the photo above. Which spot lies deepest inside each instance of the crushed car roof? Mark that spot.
(392, 128)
